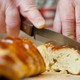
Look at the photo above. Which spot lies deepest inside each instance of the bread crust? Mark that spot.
(19, 58)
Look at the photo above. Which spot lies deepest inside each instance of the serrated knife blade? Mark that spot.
(46, 35)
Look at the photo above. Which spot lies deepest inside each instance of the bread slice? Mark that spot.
(60, 58)
(19, 58)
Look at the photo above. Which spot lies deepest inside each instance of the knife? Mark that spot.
(25, 35)
(22, 34)
(46, 35)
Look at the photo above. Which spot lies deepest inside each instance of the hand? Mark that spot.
(67, 19)
(10, 11)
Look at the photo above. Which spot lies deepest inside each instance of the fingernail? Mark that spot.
(40, 24)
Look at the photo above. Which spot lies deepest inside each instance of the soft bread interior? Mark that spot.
(63, 59)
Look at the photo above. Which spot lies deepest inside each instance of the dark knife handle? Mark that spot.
(26, 26)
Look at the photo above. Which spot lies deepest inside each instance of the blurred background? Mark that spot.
(47, 9)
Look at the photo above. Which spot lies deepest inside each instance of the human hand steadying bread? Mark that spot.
(67, 19)
(10, 11)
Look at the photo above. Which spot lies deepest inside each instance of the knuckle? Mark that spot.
(13, 25)
(27, 5)
(12, 14)
(76, 2)
(13, 22)
(78, 21)
(68, 20)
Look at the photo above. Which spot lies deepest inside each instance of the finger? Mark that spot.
(57, 22)
(29, 11)
(67, 18)
(77, 14)
(2, 18)
(2, 22)
(12, 19)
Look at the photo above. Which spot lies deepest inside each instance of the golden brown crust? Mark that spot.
(56, 47)
(21, 56)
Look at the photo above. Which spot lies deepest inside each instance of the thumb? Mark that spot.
(28, 10)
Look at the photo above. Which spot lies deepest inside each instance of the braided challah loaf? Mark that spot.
(19, 58)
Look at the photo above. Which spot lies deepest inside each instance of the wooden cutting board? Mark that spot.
(54, 76)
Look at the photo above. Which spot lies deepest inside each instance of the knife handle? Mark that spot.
(26, 26)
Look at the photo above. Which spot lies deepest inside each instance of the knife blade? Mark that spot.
(46, 35)
(22, 34)
(25, 35)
